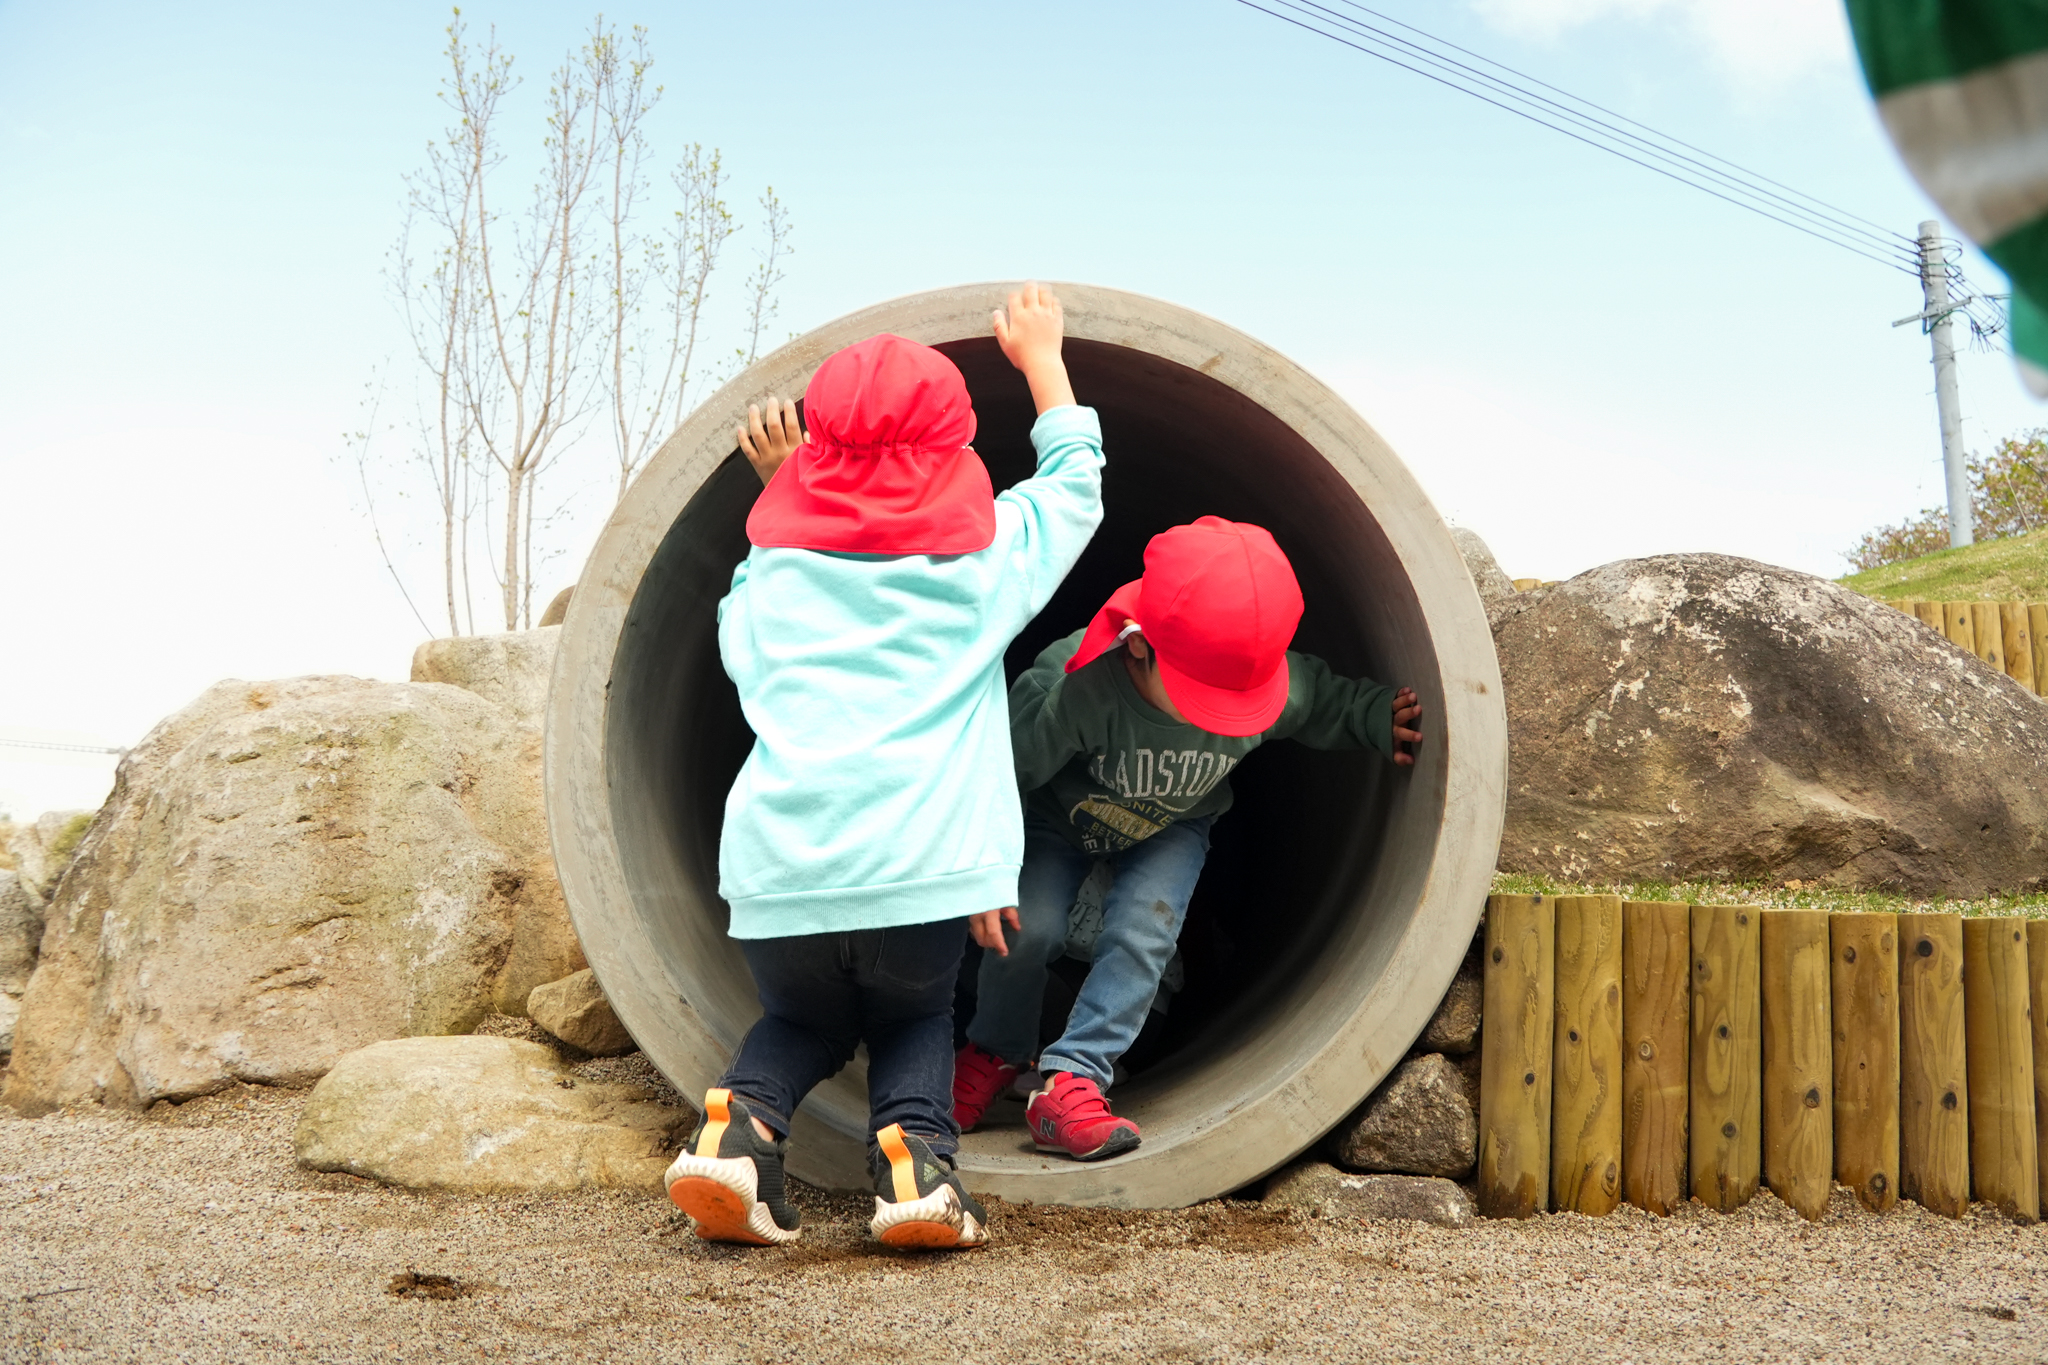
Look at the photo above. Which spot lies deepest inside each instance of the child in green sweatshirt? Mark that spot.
(1125, 735)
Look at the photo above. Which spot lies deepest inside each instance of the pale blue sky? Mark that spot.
(1580, 361)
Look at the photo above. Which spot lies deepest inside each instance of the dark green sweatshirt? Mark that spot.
(1110, 770)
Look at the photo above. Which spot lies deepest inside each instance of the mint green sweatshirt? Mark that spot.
(1110, 771)
(881, 789)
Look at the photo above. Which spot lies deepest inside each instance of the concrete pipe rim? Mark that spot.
(1285, 1091)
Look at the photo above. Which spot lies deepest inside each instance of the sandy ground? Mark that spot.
(188, 1235)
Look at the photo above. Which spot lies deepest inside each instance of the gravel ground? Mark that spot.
(188, 1235)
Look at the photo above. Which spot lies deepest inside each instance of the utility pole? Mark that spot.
(1934, 288)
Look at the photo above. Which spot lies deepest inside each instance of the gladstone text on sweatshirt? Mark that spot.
(881, 789)
(1111, 771)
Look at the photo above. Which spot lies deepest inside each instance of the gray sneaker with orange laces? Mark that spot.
(919, 1200)
(729, 1178)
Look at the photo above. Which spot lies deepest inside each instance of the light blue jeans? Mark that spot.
(1141, 919)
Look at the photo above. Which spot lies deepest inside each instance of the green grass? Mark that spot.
(2013, 569)
(1779, 897)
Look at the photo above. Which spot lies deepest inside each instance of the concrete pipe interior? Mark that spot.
(1340, 893)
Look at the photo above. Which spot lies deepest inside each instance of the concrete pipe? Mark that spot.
(1341, 893)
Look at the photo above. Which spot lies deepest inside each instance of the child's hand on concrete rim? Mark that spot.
(1029, 332)
(1407, 720)
(767, 439)
(987, 928)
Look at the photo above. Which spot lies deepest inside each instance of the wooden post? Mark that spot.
(1656, 993)
(1798, 1072)
(1514, 1056)
(1987, 634)
(1907, 605)
(1934, 1090)
(2004, 1166)
(1866, 1024)
(1585, 1099)
(2019, 643)
(2037, 1008)
(1955, 621)
(1930, 616)
(1727, 1056)
(2037, 627)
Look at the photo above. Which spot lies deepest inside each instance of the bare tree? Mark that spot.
(653, 343)
(438, 295)
(524, 385)
(527, 326)
(361, 449)
(768, 271)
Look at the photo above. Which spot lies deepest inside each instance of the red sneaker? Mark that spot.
(1070, 1115)
(979, 1076)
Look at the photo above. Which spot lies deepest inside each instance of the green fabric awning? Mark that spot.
(1962, 87)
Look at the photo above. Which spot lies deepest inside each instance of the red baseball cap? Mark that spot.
(887, 467)
(1218, 604)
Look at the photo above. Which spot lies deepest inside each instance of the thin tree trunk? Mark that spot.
(468, 596)
(515, 487)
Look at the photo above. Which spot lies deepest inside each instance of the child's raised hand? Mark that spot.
(1407, 725)
(987, 928)
(1033, 327)
(1029, 331)
(766, 439)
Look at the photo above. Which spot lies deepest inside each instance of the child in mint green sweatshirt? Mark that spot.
(879, 809)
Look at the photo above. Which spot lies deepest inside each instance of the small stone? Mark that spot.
(1496, 589)
(575, 1010)
(21, 929)
(45, 847)
(1454, 1028)
(21, 925)
(1419, 1122)
(512, 670)
(483, 1114)
(558, 609)
(1327, 1192)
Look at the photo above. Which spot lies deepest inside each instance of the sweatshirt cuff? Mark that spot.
(1064, 423)
(1379, 725)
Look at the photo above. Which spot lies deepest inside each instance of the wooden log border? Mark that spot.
(2012, 637)
(1644, 1052)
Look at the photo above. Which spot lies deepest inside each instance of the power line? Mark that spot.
(1932, 260)
(65, 748)
(1889, 235)
(1633, 148)
(1736, 178)
(1305, 14)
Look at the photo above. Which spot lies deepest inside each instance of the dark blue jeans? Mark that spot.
(825, 993)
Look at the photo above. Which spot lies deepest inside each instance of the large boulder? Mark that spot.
(285, 872)
(512, 670)
(574, 1009)
(21, 929)
(43, 848)
(1704, 716)
(1421, 1121)
(483, 1114)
